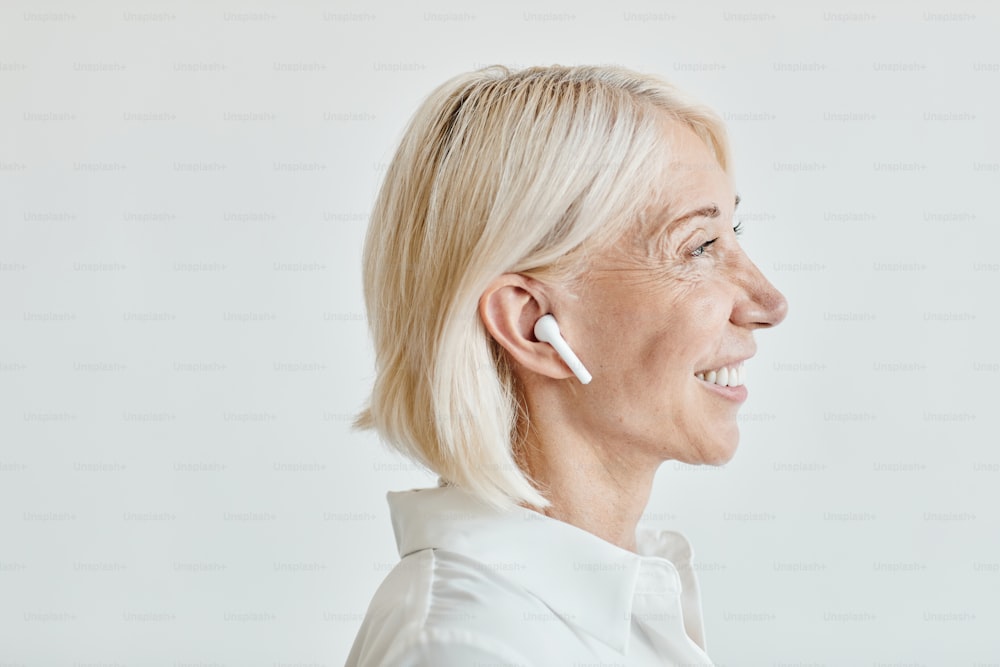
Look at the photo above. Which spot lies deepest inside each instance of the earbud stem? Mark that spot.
(547, 330)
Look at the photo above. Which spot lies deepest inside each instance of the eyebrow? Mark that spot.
(711, 211)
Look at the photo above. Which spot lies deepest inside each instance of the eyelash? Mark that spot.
(738, 229)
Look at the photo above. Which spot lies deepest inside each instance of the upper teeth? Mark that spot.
(732, 376)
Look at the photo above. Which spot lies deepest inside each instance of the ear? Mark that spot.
(509, 308)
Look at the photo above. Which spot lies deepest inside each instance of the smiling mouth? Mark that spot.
(727, 376)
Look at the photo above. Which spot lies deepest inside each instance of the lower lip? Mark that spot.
(737, 394)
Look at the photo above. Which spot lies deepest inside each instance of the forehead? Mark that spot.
(691, 174)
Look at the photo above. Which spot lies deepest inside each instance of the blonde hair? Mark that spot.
(499, 171)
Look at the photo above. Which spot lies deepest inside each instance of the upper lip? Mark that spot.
(726, 364)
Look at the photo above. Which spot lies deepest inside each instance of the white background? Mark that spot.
(184, 190)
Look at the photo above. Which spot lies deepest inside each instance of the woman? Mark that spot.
(603, 198)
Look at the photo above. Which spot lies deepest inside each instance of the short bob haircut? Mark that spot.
(500, 171)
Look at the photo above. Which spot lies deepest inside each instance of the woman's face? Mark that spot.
(677, 297)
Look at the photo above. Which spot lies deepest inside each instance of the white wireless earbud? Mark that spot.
(547, 331)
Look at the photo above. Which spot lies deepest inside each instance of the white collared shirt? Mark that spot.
(481, 587)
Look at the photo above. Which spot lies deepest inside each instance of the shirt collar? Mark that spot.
(565, 566)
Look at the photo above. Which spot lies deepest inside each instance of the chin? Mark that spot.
(718, 453)
(721, 458)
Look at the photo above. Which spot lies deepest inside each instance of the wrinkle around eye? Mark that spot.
(655, 270)
(671, 246)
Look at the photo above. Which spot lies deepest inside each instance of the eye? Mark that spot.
(700, 250)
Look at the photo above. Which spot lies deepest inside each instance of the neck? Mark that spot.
(589, 483)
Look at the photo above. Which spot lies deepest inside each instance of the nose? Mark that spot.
(760, 305)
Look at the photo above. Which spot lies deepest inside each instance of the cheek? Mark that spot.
(673, 299)
(649, 320)
(674, 327)
(692, 321)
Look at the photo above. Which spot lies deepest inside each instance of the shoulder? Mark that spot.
(441, 647)
(437, 587)
(441, 608)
